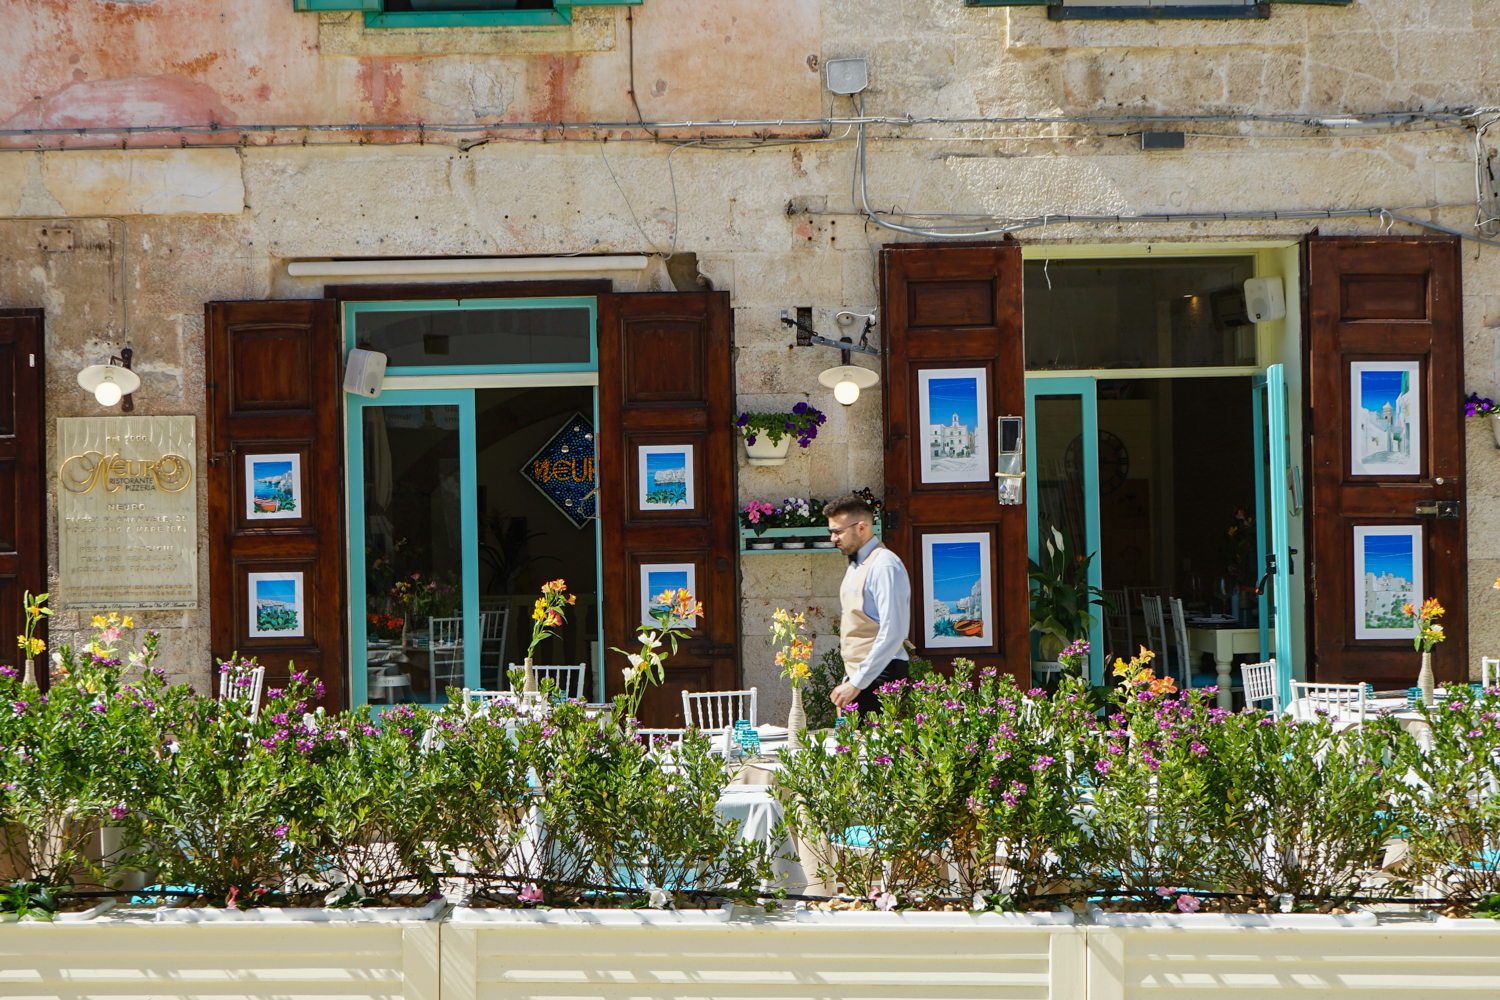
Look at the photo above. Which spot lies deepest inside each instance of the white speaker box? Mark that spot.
(363, 372)
(1265, 299)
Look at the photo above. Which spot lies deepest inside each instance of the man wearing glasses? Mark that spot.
(876, 599)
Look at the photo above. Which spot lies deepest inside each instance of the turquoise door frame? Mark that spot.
(1083, 388)
(468, 507)
(1272, 544)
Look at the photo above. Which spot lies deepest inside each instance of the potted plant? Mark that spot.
(1060, 600)
(796, 512)
(768, 436)
(1486, 409)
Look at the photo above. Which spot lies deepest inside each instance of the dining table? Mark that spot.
(1225, 643)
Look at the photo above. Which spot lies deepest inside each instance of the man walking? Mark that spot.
(876, 599)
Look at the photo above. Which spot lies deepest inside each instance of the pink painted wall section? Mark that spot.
(71, 64)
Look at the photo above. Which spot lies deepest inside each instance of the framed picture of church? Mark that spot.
(1387, 577)
(953, 412)
(1385, 418)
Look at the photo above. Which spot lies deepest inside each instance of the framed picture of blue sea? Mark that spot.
(276, 605)
(957, 603)
(1387, 574)
(657, 578)
(273, 487)
(665, 477)
(1385, 418)
(953, 410)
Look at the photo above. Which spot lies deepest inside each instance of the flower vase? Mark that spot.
(796, 722)
(30, 676)
(1424, 679)
(764, 452)
(1495, 428)
(529, 685)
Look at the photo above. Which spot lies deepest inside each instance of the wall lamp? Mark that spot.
(846, 380)
(113, 382)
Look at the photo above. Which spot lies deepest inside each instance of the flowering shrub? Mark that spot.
(802, 423)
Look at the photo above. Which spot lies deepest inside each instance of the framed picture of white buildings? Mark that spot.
(1387, 575)
(665, 477)
(1385, 418)
(273, 487)
(954, 414)
(957, 603)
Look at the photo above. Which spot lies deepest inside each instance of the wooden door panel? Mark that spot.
(665, 378)
(275, 379)
(1383, 299)
(951, 306)
(23, 477)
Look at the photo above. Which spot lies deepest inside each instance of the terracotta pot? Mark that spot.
(763, 452)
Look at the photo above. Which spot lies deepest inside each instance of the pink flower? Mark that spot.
(1188, 904)
(530, 894)
(884, 900)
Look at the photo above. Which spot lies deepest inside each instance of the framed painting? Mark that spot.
(665, 474)
(1387, 574)
(954, 414)
(276, 605)
(273, 487)
(957, 602)
(1385, 418)
(657, 578)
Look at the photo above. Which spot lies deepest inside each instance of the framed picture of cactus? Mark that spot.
(665, 477)
(276, 605)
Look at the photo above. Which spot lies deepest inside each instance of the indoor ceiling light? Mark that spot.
(847, 380)
(111, 382)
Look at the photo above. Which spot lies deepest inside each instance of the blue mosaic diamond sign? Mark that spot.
(565, 473)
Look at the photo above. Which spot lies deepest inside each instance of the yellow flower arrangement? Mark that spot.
(1138, 672)
(1429, 633)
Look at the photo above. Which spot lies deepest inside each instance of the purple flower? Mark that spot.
(884, 758)
(1042, 762)
(742, 421)
(800, 408)
(1198, 749)
(280, 832)
(117, 812)
(749, 438)
(1102, 766)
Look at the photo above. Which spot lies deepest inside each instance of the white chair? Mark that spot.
(1260, 684)
(494, 635)
(660, 739)
(1156, 628)
(567, 676)
(717, 709)
(245, 686)
(1489, 671)
(1179, 631)
(1337, 700)
(446, 654)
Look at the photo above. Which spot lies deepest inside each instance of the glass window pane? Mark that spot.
(1183, 312)
(413, 552)
(422, 338)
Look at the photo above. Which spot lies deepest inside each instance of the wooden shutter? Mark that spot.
(1374, 299)
(275, 377)
(23, 489)
(950, 307)
(665, 379)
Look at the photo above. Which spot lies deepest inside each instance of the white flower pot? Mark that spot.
(1494, 422)
(763, 452)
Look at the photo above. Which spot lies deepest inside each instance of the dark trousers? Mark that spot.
(869, 699)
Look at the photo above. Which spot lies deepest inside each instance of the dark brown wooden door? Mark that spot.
(953, 316)
(23, 490)
(1380, 309)
(275, 378)
(665, 380)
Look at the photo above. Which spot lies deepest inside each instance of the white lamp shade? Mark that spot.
(109, 383)
(847, 380)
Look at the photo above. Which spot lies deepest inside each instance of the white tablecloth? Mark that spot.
(759, 811)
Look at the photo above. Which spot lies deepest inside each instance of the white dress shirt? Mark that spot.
(887, 596)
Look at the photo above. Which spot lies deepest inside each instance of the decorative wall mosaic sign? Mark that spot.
(565, 473)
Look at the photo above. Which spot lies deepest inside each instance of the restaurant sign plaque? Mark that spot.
(127, 513)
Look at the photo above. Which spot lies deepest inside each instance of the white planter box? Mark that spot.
(130, 955)
(495, 954)
(296, 914)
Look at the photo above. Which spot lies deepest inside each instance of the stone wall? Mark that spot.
(771, 221)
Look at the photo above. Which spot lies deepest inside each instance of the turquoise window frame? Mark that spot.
(376, 16)
(1272, 453)
(353, 309)
(1085, 390)
(359, 679)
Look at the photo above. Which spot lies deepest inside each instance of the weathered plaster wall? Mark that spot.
(730, 207)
